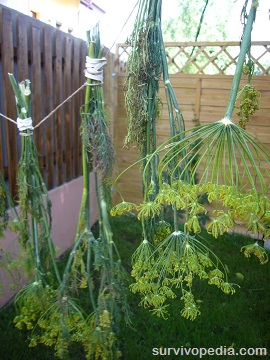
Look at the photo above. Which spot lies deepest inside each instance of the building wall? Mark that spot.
(68, 15)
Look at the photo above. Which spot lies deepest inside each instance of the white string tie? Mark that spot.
(94, 68)
(24, 124)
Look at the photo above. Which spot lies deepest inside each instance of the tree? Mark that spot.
(193, 13)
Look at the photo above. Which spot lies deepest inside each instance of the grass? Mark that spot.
(240, 320)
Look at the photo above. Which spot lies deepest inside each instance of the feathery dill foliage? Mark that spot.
(220, 161)
(144, 71)
(34, 202)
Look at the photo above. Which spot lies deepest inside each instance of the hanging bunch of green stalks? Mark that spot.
(144, 71)
(34, 202)
(98, 255)
(221, 161)
(82, 304)
(93, 270)
(145, 67)
(95, 133)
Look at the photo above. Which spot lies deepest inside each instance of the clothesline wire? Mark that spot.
(55, 109)
(125, 23)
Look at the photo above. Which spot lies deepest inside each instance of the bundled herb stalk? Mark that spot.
(219, 160)
(34, 202)
(93, 270)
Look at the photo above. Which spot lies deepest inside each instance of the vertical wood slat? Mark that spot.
(8, 97)
(82, 93)
(48, 105)
(76, 106)
(22, 48)
(36, 88)
(67, 107)
(198, 98)
(57, 100)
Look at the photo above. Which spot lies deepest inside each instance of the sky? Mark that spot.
(118, 11)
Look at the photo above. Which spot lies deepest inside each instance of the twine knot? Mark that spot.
(25, 124)
(94, 68)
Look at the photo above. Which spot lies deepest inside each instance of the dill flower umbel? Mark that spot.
(191, 309)
(256, 250)
(122, 208)
(148, 209)
(173, 264)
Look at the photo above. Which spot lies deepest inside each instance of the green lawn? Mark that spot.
(241, 320)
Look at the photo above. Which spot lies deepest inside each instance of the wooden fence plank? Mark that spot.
(48, 105)
(58, 98)
(36, 50)
(67, 107)
(76, 106)
(22, 48)
(8, 97)
(82, 93)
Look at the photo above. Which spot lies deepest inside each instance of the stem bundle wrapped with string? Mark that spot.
(34, 202)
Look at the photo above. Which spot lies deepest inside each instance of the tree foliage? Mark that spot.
(184, 25)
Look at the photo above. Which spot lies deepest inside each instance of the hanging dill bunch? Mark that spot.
(249, 103)
(97, 140)
(144, 70)
(94, 129)
(34, 202)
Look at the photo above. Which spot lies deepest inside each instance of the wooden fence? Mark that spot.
(202, 85)
(54, 62)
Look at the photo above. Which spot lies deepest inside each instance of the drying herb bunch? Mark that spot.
(221, 161)
(84, 303)
(94, 267)
(144, 70)
(34, 202)
(94, 128)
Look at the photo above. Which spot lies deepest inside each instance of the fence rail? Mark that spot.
(54, 62)
(207, 58)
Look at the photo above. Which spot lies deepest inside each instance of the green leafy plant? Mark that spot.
(220, 160)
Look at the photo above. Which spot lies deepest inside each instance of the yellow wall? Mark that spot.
(70, 13)
(51, 11)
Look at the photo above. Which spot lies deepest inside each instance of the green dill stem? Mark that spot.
(89, 281)
(170, 94)
(70, 260)
(107, 235)
(84, 216)
(245, 44)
